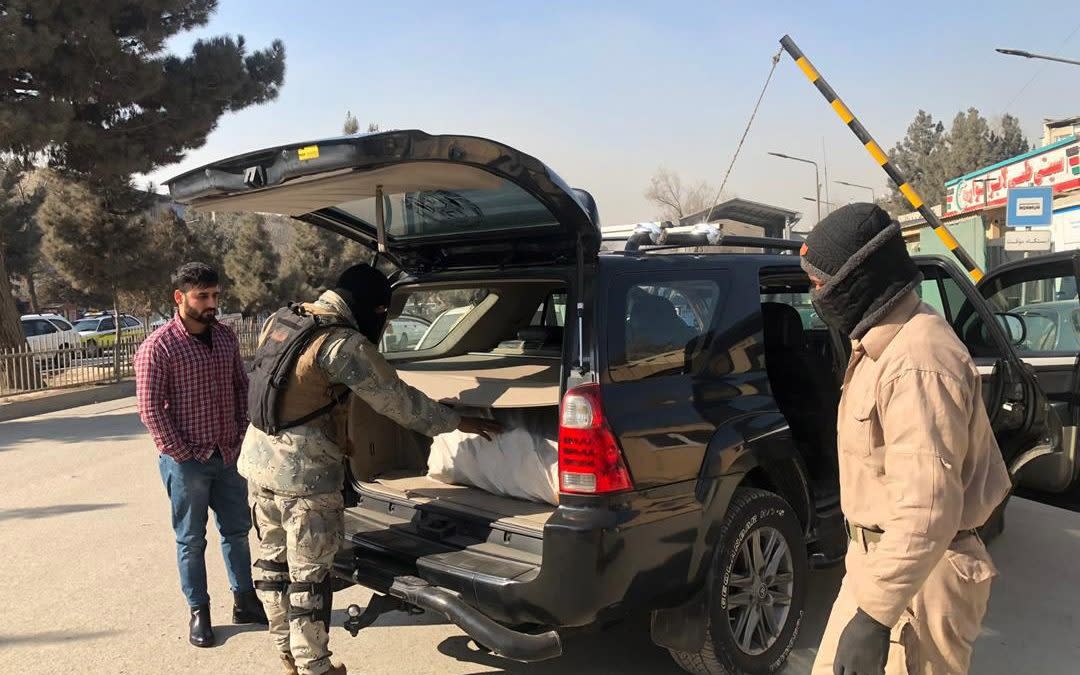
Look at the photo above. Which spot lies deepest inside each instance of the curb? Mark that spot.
(61, 401)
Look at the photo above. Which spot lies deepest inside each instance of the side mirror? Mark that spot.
(1014, 327)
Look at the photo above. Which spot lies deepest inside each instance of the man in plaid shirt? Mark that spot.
(192, 392)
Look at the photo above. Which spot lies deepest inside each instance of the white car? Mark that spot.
(99, 331)
(48, 331)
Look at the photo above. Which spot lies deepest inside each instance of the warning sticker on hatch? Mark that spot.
(308, 152)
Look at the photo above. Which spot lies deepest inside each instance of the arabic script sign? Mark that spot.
(1027, 240)
(1056, 166)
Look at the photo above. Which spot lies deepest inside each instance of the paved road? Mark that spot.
(89, 582)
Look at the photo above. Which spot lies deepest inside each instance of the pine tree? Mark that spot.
(253, 266)
(928, 156)
(173, 244)
(1009, 139)
(314, 256)
(351, 125)
(920, 158)
(89, 89)
(20, 235)
(94, 249)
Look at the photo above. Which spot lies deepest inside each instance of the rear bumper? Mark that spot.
(597, 563)
(501, 640)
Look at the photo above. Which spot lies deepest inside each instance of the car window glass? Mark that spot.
(29, 327)
(61, 324)
(87, 324)
(1050, 310)
(441, 212)
(131, 322)
(944, 293)
(551, 312)
(802, 304)
(660, 324)
(107, 324)
(433, 316)
(403, 333)
(930, 292)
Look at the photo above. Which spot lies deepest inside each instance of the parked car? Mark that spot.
(694, 407)
(403, 333)
(99, 332)
(48, 332)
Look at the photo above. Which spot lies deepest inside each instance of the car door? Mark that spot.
(106, 331)
(30, 332)
(656, 323)
(1041, 295)
(1027, 428)
(48, 336)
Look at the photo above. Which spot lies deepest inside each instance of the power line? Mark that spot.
(746, 131)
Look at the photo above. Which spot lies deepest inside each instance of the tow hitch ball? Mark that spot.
(380, 604)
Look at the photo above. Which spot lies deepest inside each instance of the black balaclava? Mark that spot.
(364, 288)
(858, 252)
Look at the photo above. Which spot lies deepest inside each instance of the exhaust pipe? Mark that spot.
(501, 640)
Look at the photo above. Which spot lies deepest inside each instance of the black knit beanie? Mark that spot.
(857, 250)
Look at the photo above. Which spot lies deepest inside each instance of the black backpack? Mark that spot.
(293, 330)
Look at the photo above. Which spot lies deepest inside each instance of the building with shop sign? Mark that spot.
(975, 203)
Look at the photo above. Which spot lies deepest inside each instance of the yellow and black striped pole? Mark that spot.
(881, 158)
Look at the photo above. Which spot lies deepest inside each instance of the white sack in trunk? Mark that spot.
(515, 463)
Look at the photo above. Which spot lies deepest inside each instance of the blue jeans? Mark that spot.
(193, 487)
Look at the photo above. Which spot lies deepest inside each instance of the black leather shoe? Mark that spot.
(201, 634)
(247, 608)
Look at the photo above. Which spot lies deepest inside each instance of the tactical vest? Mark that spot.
(286, 388)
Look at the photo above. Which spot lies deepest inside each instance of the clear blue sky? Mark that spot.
(606, 92)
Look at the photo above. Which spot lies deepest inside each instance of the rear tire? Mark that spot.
(757, 589)
(993, 527)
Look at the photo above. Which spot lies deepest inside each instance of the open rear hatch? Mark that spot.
(430, 202)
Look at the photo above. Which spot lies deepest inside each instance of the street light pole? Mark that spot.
(826, 202)
(873, 195)
(817, 177)
(1029, 55)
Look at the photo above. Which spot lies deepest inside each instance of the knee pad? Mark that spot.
(311, 599)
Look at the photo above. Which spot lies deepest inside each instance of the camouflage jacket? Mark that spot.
(306, 459)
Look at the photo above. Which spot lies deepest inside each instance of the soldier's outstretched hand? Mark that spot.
(480, 426)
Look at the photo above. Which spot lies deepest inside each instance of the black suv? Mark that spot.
(691, 394)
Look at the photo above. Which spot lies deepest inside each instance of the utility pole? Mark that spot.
(817, 177)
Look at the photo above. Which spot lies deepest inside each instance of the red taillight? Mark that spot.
(590, 461)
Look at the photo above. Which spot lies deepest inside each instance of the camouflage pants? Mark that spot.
(298, 538)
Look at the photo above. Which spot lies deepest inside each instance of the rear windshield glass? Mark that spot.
(429, 213)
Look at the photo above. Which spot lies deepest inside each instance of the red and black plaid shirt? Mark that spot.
(192, 398)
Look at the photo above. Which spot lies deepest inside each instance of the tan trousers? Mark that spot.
(936, 634)
(298, 538)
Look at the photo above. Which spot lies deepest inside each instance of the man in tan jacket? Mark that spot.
(919, 466)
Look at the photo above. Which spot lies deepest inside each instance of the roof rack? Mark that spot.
(651, 237)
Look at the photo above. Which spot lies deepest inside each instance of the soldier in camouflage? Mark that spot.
(297, 476)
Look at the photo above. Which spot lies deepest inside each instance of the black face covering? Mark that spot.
(371, 325)
(364, 289)
(836, 312)
(867, 286)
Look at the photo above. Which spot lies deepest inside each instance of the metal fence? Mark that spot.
(23, 371)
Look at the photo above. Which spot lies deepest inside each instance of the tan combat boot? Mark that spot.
(339, 669)
(289, 663)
